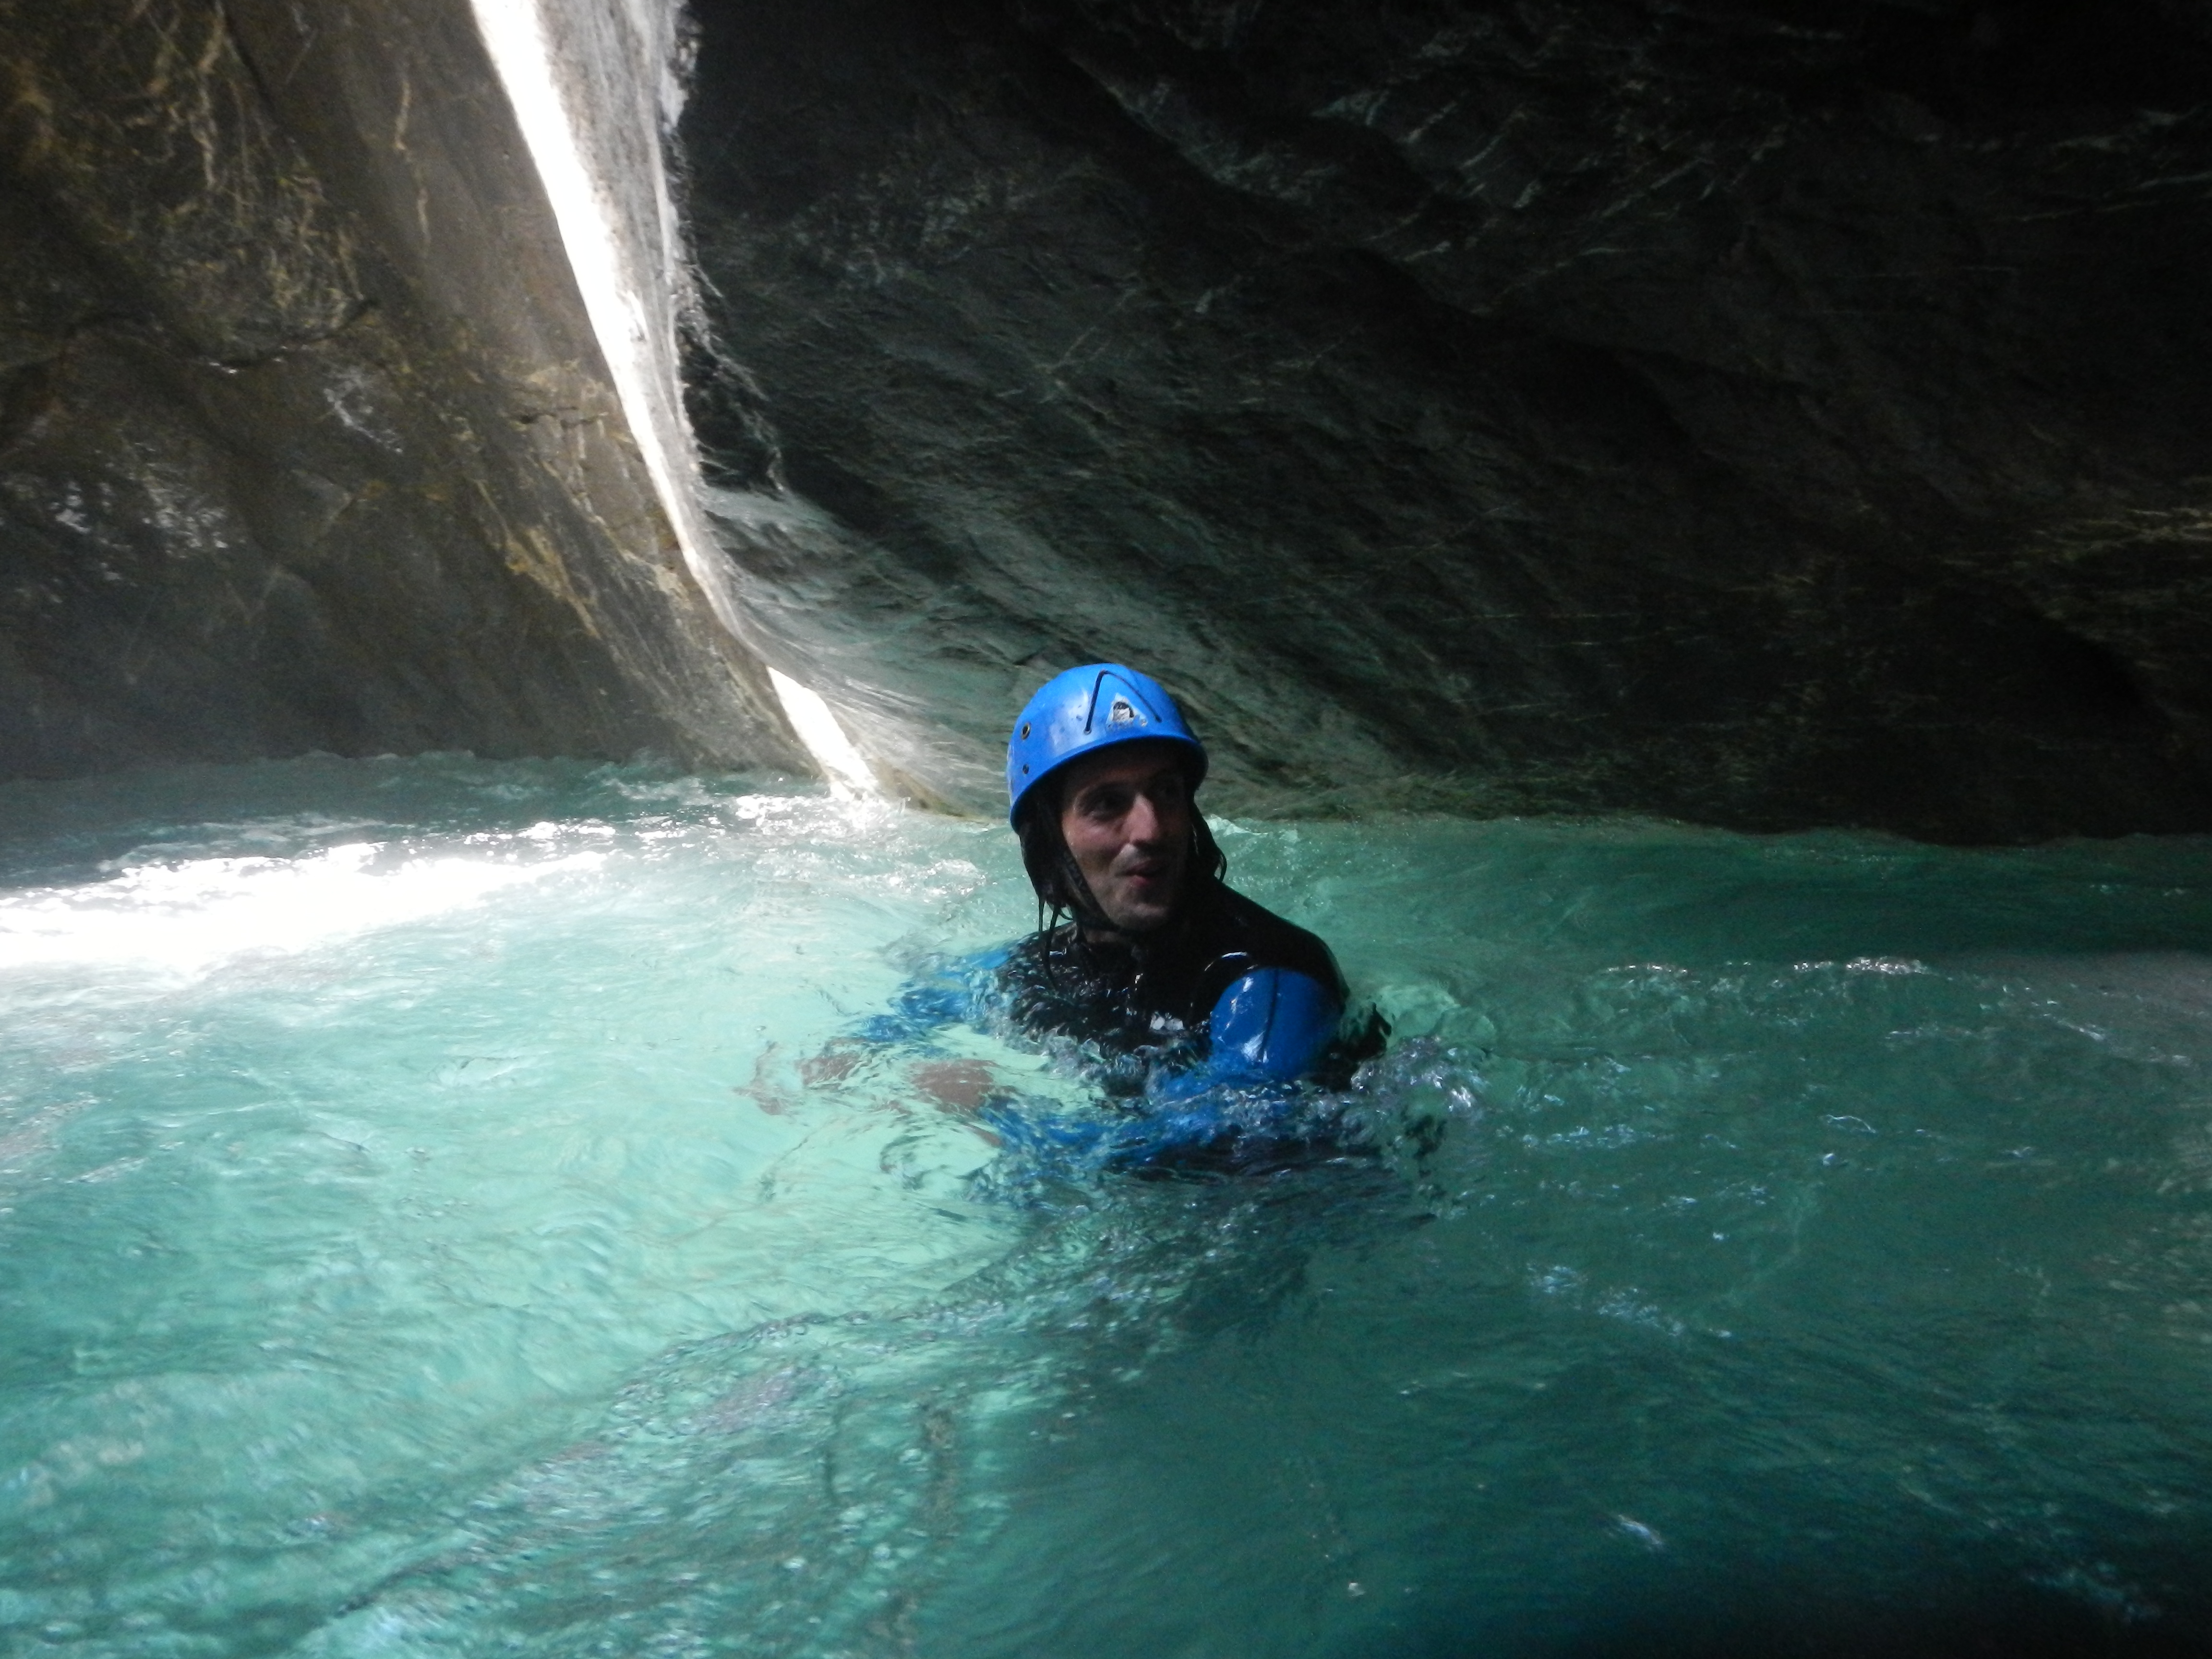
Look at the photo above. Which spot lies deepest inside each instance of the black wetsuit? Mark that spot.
(1159, 1002)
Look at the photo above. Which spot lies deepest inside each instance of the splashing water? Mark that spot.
(426, 1227)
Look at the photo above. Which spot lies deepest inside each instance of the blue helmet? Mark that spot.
(1087, 709)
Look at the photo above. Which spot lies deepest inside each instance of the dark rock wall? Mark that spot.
(305, 442)
(1772, 414)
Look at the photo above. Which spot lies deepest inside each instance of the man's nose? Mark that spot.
(1145, 821)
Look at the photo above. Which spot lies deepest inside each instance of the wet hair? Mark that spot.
(1061, 891)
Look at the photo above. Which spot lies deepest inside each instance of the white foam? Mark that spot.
(187, 918)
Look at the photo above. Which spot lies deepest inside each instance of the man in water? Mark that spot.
(1179, 982)
(1192, 1009)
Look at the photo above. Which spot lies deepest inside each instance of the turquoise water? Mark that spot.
(421, 1232)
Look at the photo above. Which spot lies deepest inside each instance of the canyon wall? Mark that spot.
(306, 442)
(1770, 414)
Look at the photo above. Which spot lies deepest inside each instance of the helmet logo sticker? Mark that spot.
(1121, 713)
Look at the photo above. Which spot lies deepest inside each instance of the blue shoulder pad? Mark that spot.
(1271, 1027)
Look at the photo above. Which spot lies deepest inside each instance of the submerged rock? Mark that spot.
(1771, 414)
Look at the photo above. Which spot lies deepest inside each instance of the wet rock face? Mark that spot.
(304, 443)
(1773, 414)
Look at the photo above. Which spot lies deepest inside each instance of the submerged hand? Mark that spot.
(958, 1085)
(836, 1062)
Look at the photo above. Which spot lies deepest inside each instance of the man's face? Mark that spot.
(1126, 818)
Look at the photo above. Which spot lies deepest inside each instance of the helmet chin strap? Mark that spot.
(1081, 902)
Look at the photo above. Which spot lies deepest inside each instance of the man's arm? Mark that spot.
(1271, 1026)
(942, 994)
